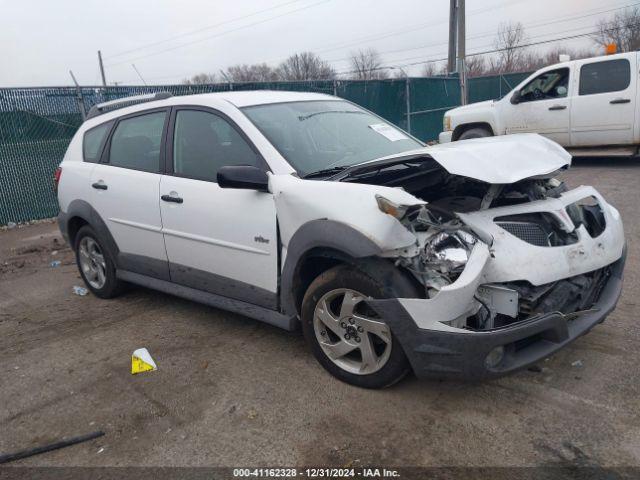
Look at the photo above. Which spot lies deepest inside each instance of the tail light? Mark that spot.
(56, 179)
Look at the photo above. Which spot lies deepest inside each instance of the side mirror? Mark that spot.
(515, 98)
(243, 176)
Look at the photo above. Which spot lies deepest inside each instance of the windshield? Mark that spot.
(321, 135)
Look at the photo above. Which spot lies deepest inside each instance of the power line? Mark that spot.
(488, 45)
(219, 34)
(405, 30)
(209, 27)
(364, 39)
(496, 50)
(533, 25)
(488, 34)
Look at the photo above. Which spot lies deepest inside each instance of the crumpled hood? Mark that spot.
(503, 159)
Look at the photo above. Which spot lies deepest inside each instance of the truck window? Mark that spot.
(606, 76)
(550, 84)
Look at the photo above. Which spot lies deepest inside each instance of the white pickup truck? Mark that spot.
(588, 106)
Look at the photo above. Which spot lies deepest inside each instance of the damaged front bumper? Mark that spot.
(447, 353)
(435, 332)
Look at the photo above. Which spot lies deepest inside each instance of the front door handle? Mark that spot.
(171, 198)
(558, 107)
(620, 100)
(99, 185)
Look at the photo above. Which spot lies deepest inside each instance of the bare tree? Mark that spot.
(259, 72)
(305, 66)
(366, 65)
(476, 66)
(434, 69)
(623, 30)
(509, 43)
(536, 60)
(201, 79)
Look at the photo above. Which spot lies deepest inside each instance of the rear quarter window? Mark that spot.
(606, 76)
(93, 141)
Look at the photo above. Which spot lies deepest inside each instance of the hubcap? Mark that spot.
(92, 262)
(350, 333)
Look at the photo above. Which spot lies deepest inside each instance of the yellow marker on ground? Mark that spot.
(141, 361)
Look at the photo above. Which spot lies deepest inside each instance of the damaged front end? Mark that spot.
(511, 272)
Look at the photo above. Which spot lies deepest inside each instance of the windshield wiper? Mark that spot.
(305, 117)
(325, 172)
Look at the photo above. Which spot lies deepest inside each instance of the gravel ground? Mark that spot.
(230, 391)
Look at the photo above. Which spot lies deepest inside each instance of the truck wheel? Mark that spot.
(346, 336)
(475, 133)
(96, 266)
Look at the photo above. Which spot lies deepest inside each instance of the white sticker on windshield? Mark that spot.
(388, 132)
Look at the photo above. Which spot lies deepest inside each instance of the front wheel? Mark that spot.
(346, 336)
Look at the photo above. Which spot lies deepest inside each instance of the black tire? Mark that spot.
(348, 277)
(112, 286)
(479, 132)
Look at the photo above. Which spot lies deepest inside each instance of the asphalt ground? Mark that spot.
(230, 391)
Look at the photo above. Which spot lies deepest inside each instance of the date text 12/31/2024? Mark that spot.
(316, 472)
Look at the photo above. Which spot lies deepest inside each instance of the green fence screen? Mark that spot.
(36, 124)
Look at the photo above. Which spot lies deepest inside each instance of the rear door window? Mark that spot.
(606, 76)
(93, 141)
(136, 142)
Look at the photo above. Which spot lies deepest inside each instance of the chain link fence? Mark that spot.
(37, 124)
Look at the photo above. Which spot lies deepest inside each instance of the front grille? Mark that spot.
(528, 232)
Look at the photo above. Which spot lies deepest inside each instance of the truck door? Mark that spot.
(603, 110)
(542, 106)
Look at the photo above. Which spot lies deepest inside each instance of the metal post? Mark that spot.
(79, 97)
(136, 69)
(104, 80)
(226, 77)
(407, 94)
(453, 23)
(462, 70)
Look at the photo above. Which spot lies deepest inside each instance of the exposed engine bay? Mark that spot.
(445, 241)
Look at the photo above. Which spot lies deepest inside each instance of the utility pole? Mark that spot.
(453, 30)
(462, 69)
(79, 97)
(134, 67)
(104, 80)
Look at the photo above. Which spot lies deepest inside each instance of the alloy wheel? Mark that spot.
(92, 262)
(350, 333)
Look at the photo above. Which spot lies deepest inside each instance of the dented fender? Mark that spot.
(300, 201)
(339, 216)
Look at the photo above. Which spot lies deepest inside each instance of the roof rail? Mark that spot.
(105, 107)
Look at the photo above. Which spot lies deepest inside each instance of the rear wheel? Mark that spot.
(346, 336)
(475, 133)
(96, 266)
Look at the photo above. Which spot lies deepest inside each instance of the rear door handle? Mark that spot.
(620, 100)
(170, 198)
(558, 107)
(100, 185)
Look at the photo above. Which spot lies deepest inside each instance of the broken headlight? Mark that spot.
(448, 252)
(391, 208)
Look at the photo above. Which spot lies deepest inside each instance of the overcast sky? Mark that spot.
(169, 40)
